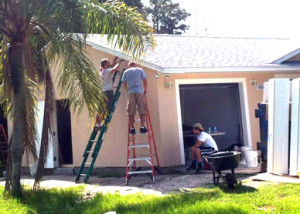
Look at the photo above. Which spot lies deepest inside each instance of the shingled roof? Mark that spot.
(192, 53)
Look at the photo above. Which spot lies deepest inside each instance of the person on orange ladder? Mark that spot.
(106, 74)
(135, 83)
(204, 145)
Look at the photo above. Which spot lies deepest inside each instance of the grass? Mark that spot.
(272, 198)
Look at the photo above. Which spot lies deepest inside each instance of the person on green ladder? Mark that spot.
(106, 74)
(135, 83)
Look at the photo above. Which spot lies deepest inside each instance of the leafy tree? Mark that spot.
(36, 34)
(166, 17)
(131, 3)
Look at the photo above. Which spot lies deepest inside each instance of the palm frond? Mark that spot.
(123, 25)
(5, 74)
(29, 113)
(77, 80)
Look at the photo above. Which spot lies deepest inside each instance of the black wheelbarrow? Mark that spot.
(221, 161)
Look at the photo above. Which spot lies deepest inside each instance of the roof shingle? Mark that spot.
(177, 51)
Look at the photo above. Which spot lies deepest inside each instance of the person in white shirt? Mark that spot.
(204, 145)
(106, 74)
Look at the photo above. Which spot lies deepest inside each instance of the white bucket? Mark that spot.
(251, 158)
(245, 148)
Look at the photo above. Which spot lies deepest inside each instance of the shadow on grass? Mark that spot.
(51, 200)
(70, 200)
(239, 188)
(192, 202)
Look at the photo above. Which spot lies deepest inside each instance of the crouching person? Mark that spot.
(204, 145)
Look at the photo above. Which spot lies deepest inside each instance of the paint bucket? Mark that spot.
(251, 158)
(243, 149)
(298, 174)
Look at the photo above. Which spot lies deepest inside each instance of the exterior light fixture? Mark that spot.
(156, 75)
(168, 83)
(254, 82)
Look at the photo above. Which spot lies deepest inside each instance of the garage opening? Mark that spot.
(213, 105)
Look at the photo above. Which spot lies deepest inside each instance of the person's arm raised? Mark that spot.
(115, 65)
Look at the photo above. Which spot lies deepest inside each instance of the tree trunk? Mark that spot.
(49, 107)
(16, 62)
(8, 170)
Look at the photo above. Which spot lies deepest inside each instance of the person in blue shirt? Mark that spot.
(135, 83)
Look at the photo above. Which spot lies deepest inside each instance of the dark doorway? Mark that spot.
(212, 105)
(64, 132)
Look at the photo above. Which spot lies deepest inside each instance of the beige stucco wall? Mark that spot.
(113, 150)
(168, 110)
(162, 104)
(163, 110)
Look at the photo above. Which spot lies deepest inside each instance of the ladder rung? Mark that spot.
(139, 146)
(87, 163)
(137, 159)
(140, 172)
(139, 133)
(93, 140)
(89, 151)
(82, 174)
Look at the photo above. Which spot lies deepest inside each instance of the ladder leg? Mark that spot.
(128, 156)
(134, 154)
(150, 148)
(152, 136)
(86, 155)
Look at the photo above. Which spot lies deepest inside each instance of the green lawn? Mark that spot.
(281, 198)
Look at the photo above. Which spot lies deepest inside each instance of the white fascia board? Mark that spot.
(124, 56)
(287, 56)
(232, 69)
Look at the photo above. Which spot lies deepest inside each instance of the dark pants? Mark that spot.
(109, 99)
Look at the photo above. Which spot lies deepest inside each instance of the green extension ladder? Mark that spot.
(97, 137)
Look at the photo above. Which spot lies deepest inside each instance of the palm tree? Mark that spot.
(60, 28)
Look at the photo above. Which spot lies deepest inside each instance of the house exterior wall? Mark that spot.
(168, 111)
(163, 110)
(114, 148)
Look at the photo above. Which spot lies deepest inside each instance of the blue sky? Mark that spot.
(246, 18)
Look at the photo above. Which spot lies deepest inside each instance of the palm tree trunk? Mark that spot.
(48, 110)
(16, 62)
(8, 170)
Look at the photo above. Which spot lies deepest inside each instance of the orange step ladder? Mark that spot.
(150, 159)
